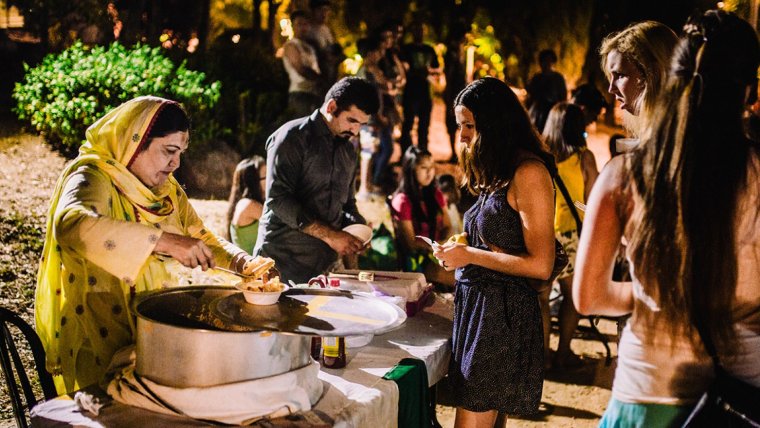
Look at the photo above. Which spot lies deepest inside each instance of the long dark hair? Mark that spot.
(419, 195)
(245, 184)
(689, 173)
(504, 128)
(564, 133)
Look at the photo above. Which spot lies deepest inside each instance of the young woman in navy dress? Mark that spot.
(497, 359)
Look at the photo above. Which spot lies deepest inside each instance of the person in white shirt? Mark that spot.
(300, 61)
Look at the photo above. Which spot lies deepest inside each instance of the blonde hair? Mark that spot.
(649, 46)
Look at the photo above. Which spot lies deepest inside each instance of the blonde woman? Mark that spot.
(686, 201)
(636, 61)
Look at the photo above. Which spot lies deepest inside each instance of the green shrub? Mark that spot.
(69, 91)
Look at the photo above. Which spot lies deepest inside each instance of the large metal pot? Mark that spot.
(181, 343)
(208, 335)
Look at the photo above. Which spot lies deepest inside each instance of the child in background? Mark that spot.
(246, 202)
(419, 208)
(448, 185)
(576, 167)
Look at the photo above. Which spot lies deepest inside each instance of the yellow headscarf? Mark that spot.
(112, 144)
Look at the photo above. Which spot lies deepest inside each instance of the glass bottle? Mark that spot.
(316, 347)
(334, 352)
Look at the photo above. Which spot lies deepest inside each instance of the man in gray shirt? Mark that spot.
(311, 169)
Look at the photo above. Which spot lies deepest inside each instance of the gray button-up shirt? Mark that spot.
(310, 176)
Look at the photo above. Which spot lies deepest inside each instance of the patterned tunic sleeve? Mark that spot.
(224, 252)
(83, 225)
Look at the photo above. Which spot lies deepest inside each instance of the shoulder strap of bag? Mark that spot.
(569, 201)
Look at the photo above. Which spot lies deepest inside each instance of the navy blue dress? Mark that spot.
(498, 353)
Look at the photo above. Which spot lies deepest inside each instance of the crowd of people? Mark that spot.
(679, 210)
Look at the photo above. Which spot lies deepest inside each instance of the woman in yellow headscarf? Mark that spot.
(114, 210)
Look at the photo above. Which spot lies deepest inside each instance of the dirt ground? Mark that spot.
(28, 171)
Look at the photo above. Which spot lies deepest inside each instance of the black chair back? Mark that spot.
(13, 368)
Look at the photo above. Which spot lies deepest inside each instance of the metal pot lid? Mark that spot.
(183, 307)
(299, 311)
(313, 312)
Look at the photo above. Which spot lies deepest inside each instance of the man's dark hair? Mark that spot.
(368, 44)
(299, 14)
(547, 55)
(354, 91)
(589, 96)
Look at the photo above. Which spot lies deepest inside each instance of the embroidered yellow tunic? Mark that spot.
(102, 227)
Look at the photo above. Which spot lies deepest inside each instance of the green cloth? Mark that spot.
(245, 236)
(410, 374)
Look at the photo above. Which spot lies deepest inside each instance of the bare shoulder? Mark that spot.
(615, 175)
(531, 171)
(531, 186)
(615, 187)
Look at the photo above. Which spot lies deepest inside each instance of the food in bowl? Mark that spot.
(262, 292)
(262, 286)
(258, 267)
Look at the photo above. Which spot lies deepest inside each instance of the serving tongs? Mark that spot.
(219, 268)
(238, 274)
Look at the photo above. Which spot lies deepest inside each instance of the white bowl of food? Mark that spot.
(361, 231)
(258, 292)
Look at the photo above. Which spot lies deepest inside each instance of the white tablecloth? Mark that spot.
(355, 396)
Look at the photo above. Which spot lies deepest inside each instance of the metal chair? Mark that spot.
(13, 368)
(591, 329)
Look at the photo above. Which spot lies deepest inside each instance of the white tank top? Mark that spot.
(299, 83)
(649, 371)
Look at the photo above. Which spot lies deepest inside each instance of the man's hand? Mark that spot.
(190, 252)
(344, 243)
